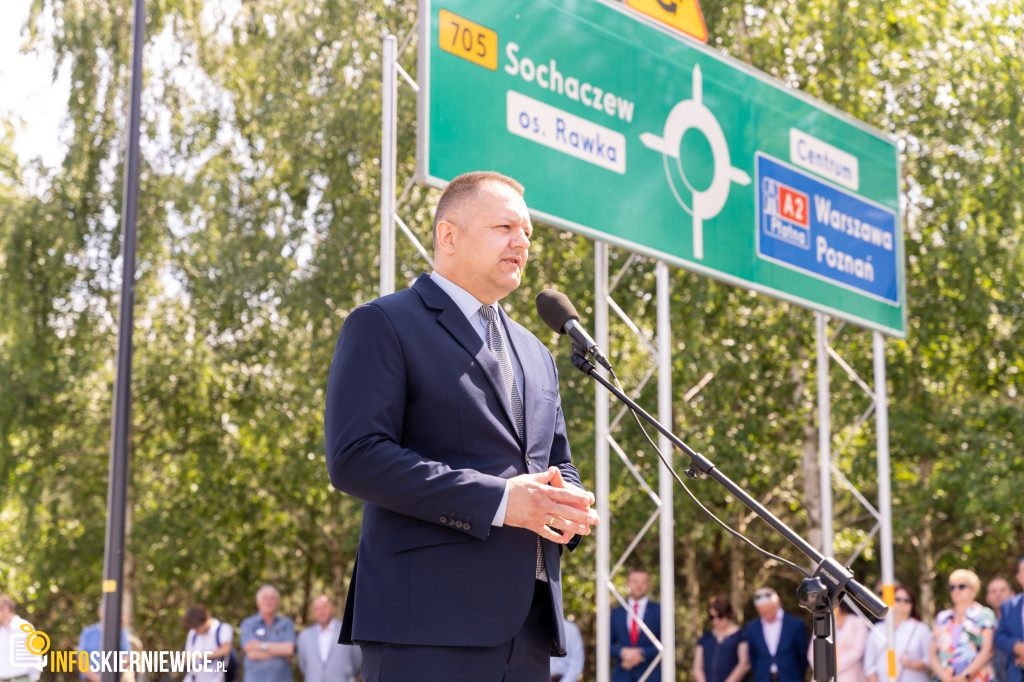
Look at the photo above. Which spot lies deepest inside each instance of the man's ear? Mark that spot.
(446, 237)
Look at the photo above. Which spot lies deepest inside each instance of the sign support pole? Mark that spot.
(666, 535)
(602, 487)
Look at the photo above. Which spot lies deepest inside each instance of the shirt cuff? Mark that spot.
(499, 516)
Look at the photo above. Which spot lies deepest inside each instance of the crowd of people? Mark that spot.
(969, 641)
(268, 645)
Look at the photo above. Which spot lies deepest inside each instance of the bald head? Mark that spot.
(323, 610)
(463, 189)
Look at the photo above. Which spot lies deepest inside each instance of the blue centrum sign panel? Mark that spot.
(623, 130)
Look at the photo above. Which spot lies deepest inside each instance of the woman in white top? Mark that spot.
(913, 644)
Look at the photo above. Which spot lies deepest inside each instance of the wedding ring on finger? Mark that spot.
(551, 521)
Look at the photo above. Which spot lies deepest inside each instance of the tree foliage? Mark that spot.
(258, 233)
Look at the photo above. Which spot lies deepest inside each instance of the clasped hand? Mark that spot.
(544, 504)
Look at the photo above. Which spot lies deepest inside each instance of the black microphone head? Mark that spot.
(555, 309)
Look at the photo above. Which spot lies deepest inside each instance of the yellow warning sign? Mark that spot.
(469, 40)
(682, 15)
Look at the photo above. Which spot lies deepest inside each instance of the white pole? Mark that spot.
(665, 482)
(884, 491)
(824, 435)
(388, 166)
(601, 427)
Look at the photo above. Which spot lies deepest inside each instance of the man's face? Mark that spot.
(266, 602)
(767, 604)
(6, 616)
(205, 627)
(323, 611)
(488, 242)
(637, 584)
(998, 591)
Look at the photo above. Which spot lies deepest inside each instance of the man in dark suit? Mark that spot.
(777, 641)
(1010, 633)
(443, 416)
(631, 646)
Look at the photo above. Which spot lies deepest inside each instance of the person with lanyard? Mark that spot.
(912, 643)
(13, 639)
(268, 641)
(963, 637)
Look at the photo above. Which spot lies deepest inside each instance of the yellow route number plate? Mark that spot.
(472, 42)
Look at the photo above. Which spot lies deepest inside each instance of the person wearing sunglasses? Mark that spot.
(777, 641)
(721, 654)
(963, 635)
(912, 643)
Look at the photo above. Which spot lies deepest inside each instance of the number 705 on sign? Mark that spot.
(466, 39)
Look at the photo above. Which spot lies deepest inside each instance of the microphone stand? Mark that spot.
(830, 581)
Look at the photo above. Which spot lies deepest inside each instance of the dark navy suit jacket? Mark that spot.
(620, 638)
(791, 656)
(417, 426)
(1011, 630)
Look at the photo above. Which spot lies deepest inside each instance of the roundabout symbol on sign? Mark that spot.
(707, 203)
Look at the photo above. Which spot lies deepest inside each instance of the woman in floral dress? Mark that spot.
(962, 639)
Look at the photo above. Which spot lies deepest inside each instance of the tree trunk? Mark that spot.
(809, 451)
(924, 548)
(737, 572)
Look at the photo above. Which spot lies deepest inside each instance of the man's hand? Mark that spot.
(630, 657)
(542, 502)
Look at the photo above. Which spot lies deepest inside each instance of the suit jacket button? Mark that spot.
(458, 524)
(466, 526)
(451, 522)
(443, 519)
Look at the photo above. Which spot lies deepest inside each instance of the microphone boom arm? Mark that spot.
(833, 576)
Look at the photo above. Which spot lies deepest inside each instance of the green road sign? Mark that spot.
(625, 131)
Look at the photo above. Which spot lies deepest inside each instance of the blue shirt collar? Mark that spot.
(467, 302)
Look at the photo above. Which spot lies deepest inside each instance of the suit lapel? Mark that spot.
(455, 323)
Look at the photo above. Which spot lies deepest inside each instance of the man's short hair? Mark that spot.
(195, 615)
(7, 602)
(464, 187)
(267, 588)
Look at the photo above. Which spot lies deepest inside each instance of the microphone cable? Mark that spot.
(693, 497)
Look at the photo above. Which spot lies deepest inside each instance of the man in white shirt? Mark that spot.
(776, 640)
(321, 658)
(13, 651)
(210, 636)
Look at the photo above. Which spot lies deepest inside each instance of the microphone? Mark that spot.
(557, 312)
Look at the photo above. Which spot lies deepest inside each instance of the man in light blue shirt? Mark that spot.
(268, 641)
(570, 668)
(91, 640)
